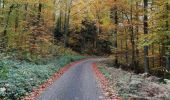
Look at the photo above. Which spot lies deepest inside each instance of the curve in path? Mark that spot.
(78, 83)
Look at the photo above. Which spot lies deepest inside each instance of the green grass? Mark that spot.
(105, 72)
(18, 78)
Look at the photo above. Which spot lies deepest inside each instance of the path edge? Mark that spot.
(103, 83)
(38, 91)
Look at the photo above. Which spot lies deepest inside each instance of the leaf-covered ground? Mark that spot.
(19, 78)
(108, 92)
(132, 86)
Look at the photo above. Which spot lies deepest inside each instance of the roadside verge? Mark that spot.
(104, 84)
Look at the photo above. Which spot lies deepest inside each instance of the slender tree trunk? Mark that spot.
(137, 38)
(17, 18)
(39, 12)
(65, 31)
(67, 20)
(26, 9)
(167, 60)
(160, 58)
(98, 30)
(1, 47)
(115, 34)
(146, 48)
(19, 41)
(167, 15)
(60, 22)
(26, 28)
(126, 55)
(121, 48)
(0, 3)
(3, 4)
(5, 38)
(153, 58)
(132, 39)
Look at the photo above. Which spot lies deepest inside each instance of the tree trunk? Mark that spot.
(146, 49)
(0, 3)
(39, 12)
(132, 39)
(137, 38)
(17, 18)
(115, 34)
(67, 20)
(167, 61)
(153, 58)
(5, 39)
(3, 4)
(126, 55)
(26, 9)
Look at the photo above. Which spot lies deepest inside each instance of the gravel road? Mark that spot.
(78, 83)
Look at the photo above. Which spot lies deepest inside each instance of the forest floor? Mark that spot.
(134, 86)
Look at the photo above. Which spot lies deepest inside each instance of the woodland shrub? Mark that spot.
(18, 78)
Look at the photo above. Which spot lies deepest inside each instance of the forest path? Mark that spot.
(78, 83)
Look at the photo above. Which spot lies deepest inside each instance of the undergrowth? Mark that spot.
(18, 78)
(105, 72)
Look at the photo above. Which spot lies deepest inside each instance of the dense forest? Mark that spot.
(134, 33)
